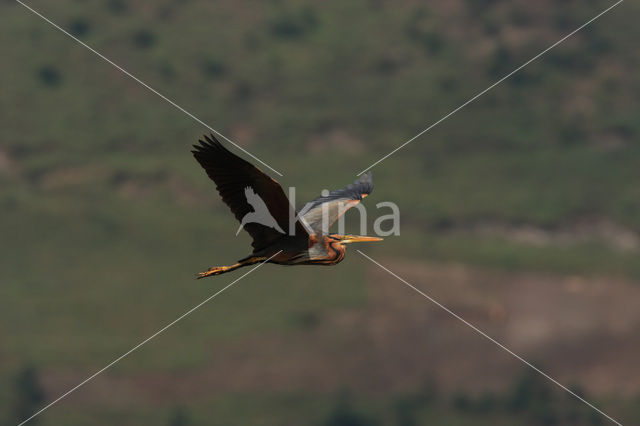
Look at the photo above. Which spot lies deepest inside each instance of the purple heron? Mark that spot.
(264, 211)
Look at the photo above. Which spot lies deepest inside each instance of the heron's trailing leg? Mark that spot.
(217, 270)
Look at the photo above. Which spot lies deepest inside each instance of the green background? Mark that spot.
(106, 217)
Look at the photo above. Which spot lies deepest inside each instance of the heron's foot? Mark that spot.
(217, 270)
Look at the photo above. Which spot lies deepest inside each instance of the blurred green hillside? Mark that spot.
(106, 217)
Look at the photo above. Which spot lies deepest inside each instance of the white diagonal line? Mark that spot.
(148, 87)
(500, 345)
(492, 86)
(143, 342)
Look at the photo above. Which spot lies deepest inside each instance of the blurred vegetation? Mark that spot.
(28, 395)
(179, 417)
(105, 215)
(530, 401)
(344, 414)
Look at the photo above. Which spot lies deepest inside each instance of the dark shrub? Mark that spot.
(213, 68)
(79, 27)
(343, 414)
(28, 394)
(461, 401)
(117, 7)
(419, 30)
(528, 392)
(179, 417)
(143, 39)
(49, 76)
(501, 62)
(294, 25)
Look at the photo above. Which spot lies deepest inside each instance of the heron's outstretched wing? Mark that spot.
(232, 175)
(335, 204)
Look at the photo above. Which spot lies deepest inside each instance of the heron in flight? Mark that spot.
(246, 190)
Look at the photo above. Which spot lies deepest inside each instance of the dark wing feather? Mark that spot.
(335, 204)
(232, 175)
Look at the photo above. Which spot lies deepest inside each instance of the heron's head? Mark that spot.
(346, 239)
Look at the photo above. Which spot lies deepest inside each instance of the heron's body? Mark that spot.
(324, 251)
(262, 208)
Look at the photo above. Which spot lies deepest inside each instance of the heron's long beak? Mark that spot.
(346, 239)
